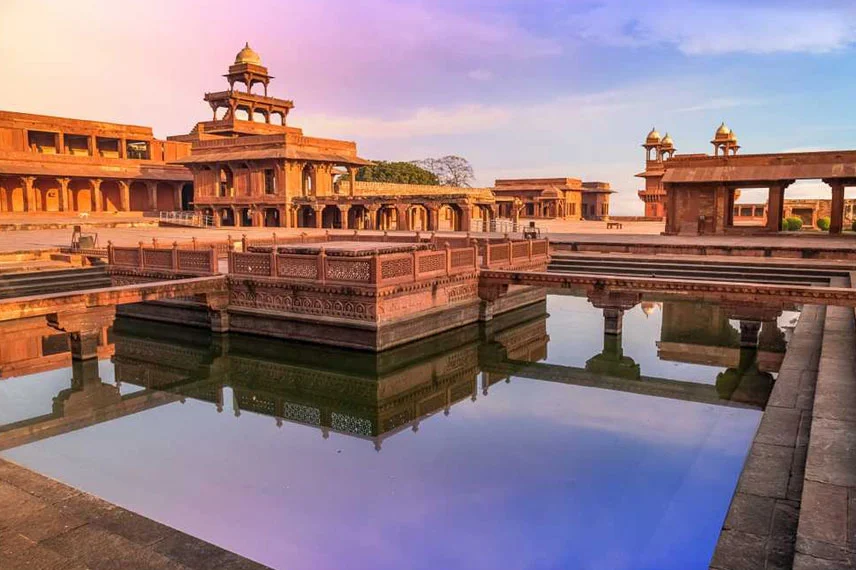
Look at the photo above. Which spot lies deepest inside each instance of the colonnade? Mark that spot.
(370, 216)
(72, 194)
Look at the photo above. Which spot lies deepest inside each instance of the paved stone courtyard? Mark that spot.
(47, 525)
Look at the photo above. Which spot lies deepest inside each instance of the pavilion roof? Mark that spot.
(271, 153)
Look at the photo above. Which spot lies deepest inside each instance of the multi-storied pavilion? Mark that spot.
(247, 167)
(50, 164)
(566, 198)
(696, 193)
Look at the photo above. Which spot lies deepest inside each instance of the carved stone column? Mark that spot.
(125, 195)
(836, 213)
(29, 193)
(97, 199)
(64, 202)
(152, 189)
(343, 212)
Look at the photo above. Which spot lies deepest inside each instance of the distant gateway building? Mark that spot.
(247, 167)
(696, 193)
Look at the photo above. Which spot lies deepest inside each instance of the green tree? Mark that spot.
(397, 172)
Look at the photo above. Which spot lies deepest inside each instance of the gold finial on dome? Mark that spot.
(247, 55)
(653, 137)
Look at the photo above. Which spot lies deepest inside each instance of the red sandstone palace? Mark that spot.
(697, 193)
(248, 167)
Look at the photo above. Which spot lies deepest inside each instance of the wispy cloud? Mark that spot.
(715, 27)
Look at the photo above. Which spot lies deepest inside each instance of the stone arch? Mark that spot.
(227, 217)
(331, 217)
(187, 196)
(358, 217)
(306, 217)
(450, 217)
(271, 218)
(139, 196)
(13, 194)
(227, 180)
(111, 196)
(46, 192)
(81, 195)
(417, 217)
(387, 218)
(307, 180)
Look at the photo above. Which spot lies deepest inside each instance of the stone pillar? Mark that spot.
(64, 205)
(29, 194)
(236, 215)
(352, 170)
(372, 210)
(403, 221)
(177, 195)
(749, 333)
(85, 329)
(613, 318)
(466, 217)
(343, 212)
(318, 217)
(836, 214)
(152, 189)
(125, 195)
(123, 148)
(433, 221)
(60, 143)
(93, 146)
(775, 207)
(97, 200)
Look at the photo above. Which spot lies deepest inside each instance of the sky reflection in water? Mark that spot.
(534, 475)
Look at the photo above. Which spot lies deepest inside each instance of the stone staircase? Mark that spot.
(781, 272)
(52, 281)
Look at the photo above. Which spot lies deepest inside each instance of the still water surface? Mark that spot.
(428, 457)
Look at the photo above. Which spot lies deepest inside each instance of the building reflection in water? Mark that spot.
(376, 395)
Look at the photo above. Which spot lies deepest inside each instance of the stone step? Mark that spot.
(52, 281)
(717, 275)
(745, 267)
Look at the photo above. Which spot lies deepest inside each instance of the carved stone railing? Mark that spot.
(374, 269)
(514, 253)
(175, 259)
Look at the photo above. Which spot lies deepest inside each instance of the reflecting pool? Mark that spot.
(534, 441)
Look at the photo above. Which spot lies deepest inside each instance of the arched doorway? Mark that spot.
(139, 194)
(13, 190)
(331, 217)
(271, 218)
(308, 180)
(306, 217)
(187, 196)
(387, 218)
(46, 192)
(81, 194)
(417, 217)
(358, 217)
(227, 217)
(227, 181)
(111, 196)
(450, 217)
(246, 217)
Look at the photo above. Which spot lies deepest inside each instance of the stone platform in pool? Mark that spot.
(362, 294)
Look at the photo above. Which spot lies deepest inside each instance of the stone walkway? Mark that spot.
(46, 525)
(825, 538)
(761, 527)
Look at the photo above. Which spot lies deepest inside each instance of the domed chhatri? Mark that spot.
(722, 133)
(248, 55)
(653, 137)
(667, 142)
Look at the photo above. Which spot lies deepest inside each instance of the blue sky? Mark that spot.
(519, 87)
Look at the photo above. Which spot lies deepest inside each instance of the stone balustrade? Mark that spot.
(377, 269)
(177, 259)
